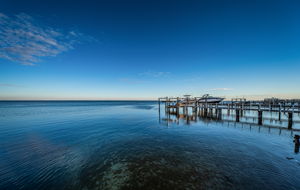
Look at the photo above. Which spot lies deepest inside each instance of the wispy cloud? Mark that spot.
(25, 41)
(154, 74)
(221, 89)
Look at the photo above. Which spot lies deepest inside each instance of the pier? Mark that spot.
(241, 110)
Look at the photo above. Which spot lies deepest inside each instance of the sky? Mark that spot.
(124, 49)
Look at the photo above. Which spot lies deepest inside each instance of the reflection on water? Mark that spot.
(171, 116)
(297, 143)
(128, 145)
(269, 118)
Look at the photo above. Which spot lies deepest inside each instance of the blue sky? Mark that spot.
(146, 49)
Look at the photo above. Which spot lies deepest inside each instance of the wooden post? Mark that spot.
(205, 112)
(196, 106)
(290, 125)
(220, 114)
(242, 110)
(279, 112)
(260, 117)
(228, 109)
(166, 105)
(159, 104)
(200, 110)
(159, 110)
(177, 106)
(187, 106)
(187, 110)
(237, 115)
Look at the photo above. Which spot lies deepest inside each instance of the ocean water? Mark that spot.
(129, 145)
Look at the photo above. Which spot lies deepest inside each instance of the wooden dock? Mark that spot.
(191, 107)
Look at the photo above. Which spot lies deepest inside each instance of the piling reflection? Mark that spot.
(241, 117)
(258, 117)
(296, 141)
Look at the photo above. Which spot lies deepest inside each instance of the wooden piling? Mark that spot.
(228, 109)
(290, 120)
(210, 111)
(205, 112)
(260, 117)
(166, 105)
(219, 114)
(237, 115)
(279, 112)
(159, 104)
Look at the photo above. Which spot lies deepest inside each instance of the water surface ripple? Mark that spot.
(122, 145)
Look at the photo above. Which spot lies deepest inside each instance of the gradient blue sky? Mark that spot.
(146, 49)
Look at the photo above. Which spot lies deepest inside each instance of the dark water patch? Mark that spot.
(143, 107)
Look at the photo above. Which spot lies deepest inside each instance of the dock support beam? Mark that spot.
(290, 120)
(260, 117)
(210, 111)
(219, 114)
(237, 115)
(196, 106)
(205, 112)
(158, 103)
(228, 109)
(279, 112)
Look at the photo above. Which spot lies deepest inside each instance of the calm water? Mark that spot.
(122, 145)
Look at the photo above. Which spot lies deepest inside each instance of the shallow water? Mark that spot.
(124, 145)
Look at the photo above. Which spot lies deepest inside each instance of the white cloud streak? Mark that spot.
(24, 41)
(221, 89)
